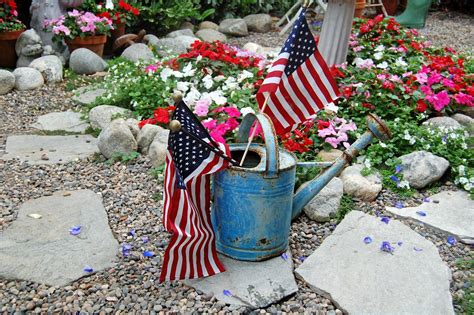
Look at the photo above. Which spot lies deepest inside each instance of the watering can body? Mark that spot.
(253, 205)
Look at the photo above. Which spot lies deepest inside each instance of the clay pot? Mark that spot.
(71, 3)
(390, 6)
(359, 8)
(93, 43)
(8, 55)
(119, 30)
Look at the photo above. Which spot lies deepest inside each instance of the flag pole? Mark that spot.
(253, 132)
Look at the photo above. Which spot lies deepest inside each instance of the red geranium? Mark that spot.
(421, 106)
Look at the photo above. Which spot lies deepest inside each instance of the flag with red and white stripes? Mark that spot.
(299, 83)
(191, 159)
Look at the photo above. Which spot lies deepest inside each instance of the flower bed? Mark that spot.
(391, 71)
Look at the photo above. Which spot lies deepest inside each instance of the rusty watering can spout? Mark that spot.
(376, 128)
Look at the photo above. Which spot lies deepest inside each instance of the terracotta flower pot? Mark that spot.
(118, 31)
(8, 55)
(359, 8)
(93, 43)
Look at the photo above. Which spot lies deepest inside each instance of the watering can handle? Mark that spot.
(271, 145)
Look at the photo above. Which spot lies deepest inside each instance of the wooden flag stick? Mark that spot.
(253, 132)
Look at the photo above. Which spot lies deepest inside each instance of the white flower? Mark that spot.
(404, 184)
(461, 169)
(182, 86)
(464, 145)
(247, 110)
(198, 58)
(109, 5)
(192, 96)
(367, 163)
(230, 84)
(380, 48)
(383, 65)
(165, 73)
(463, 180)
(208, 82)
(468, 186)
(378, 55)
(219, 78)
(383, 145)
(400, 62)
(332, 107)
(217, 97)
(244, 75)
(188, 70)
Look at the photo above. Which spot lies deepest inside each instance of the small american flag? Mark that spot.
(299, 83)
(191, 159)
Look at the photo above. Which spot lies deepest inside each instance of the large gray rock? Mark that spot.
(61, 121)
(146, 136)
(24, 61)
(260, 23)
(7, 81)
(252, 284)
(172, 46)
(50, 67)
(84, 61)
(464, 120)
(27, 79)
(138, 52)
(116, 138)
(208, 25)
(421, 168)
(358, 186)
(325, 204)
(132, 124)
(157, 153)
(49, 149)
(43, 250)
(234, 27)
(101, 116)
(182, 32)
(361, 279)
(453, 213)
(330, 155)
(150, 39)
(437, 122)
(87, 95)
(210, 35)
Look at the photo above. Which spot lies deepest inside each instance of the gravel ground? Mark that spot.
(132, 198)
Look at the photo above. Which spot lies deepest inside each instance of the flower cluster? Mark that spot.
(8, 16)
(78, 23)
(118, 11)
(299, 140)
(335, 131)
(160, 116)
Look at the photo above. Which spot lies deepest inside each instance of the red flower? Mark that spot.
(364, 28)
(421, 106)
(347, 91)
(388, 85)
(162, 115)
(368, 105)
(323, 124)
(378, 18)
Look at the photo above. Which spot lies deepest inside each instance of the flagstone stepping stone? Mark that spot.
(452, 213)
(87, 95)
(44, 250)
(252, 284)
(65, 121)
(360, 278)
(49, 149)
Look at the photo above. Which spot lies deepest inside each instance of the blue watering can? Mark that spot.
(254, 204)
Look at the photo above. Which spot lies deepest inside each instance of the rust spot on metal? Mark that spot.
(263, 241)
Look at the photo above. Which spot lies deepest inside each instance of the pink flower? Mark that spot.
(232, 123)
(358, 48)
(348, 127)
(426, 90)
(74, 13)
(367, 94)
(394, 78)
(202, 107)
(332, 141)
(353, 43)
(448, 83)
(464, 99)
(381, 77)
(232, 111)
(61, 29)
(327, 131)
(151, 68)
(421, 78)
(407, 74)
(439, 101)
(209, 124)
(435, 77)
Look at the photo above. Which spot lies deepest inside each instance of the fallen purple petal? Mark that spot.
(452, 240)
(75, 230)
(302, 258)
(284, 256)
(400, 243)
(377, 213)
(398, 205)
(367, 240)
(417, 249)
(386, 247)
(126, 249)
(394, 179)
(88, 269)
(227, 293)
(145, 239)
(421, 213)
(426, 199)
(398, 169)
(148, 253)
(385, 220)
(132, 232)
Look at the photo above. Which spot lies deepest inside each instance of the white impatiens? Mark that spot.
(378, 55)
(247, 110)
(208, 81)
(400, 62)
(244, 75)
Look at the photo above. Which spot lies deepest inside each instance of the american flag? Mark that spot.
(191, 159)
(299, 83)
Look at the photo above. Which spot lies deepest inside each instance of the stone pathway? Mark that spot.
(360, 278)
(39, 246)
(62, 121)
(449, 211)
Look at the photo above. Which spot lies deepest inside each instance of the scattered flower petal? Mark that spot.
(132, 232)
(452, 240)
(145, 239)
(88, 269)
(399, 205)
(385, 220)
(367, 240)
(395, 179)
(417, 249)
(426, 199)
(227, 293)
(386, 247)
(35, 215)
(126, 249)
(400, 243)
(75, 230)
(148, 253)
(421, 213)
(302, 258)
(284, 256)
(398, 169)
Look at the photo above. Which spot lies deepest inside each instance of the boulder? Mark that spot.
(182, 32)
(187, 25)
(146, 136)
(234, 27)
(101, 116)
(7, 81)
(132, 124)
(325, 204)
(50, 67)
(208, 25)
(260, 23)
(116, 138)
(162, 135)
(24, 61)
(210, 35)
(437, 122)
(151, 39)
(138, 52)
(253, 47)
(421, 168)
(464, 120)
(466, 110)
(157, 153)
(87, 95)
(329, 155)
(27, 79)
(358, 186)
(84, 61)
(172, 46)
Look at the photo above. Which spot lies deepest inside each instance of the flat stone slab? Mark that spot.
(44, 251)
(49, 149)
(453, 213)
(360, 278)
(62, 121)
(251, 284)
(87, 95)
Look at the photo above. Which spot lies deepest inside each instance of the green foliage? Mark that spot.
(157, 171)
(241, 8)
(467, 301)
(305, 174)
(95, 132)
(123, 157)
(74, 80)
(346, 206)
